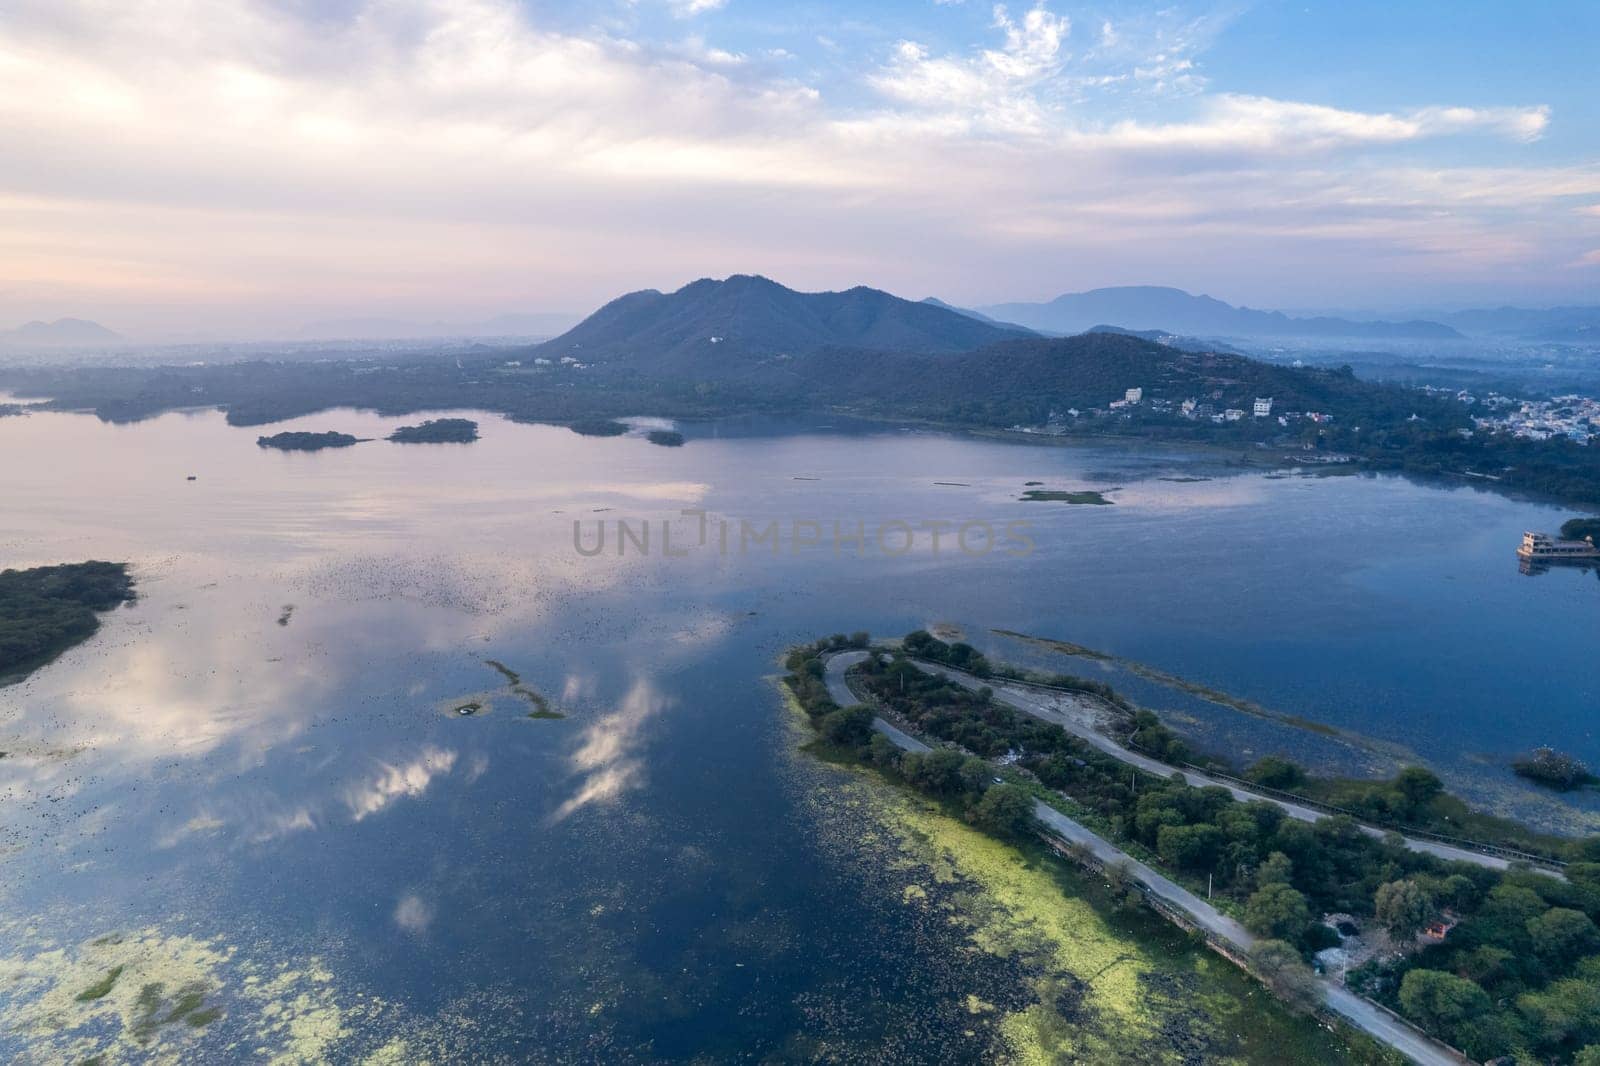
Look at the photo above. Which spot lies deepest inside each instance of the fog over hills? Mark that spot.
(62, 333)
(1144, 307)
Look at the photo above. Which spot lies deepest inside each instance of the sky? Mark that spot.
(242, 167)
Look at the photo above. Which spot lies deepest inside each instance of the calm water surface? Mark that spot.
(264, 748)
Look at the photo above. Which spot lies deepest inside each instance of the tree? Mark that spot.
(1564, 1011)
(1274, 772)
(848, 726)
(1191, 847)
(1562, 935)
(1277, 870)
(882, 751)
(1283, 970)
(1589, 1056)
(1440, 1001)
(1006, 810)
(975, 774)
(1418, 786)
(1403, 908)
(1277, 911)
(937, 771)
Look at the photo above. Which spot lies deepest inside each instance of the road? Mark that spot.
(1046, 706)
(1360, 1013)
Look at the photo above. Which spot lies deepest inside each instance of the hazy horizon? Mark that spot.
(282, 162)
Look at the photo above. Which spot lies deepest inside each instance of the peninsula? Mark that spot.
(1288, 883)
(48, 609)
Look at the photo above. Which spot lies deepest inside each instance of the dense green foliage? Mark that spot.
(48, 609)
(1556, 769)
(1520, 973)
(1580, 529)
(1012, 382)
(598, 427)
(438, 431)
(963, 781)
(307, 442)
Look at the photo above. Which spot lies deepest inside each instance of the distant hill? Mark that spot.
(1175, 311)
(707, 325)
(62, 333)
(533, 324)
(1171, 340)
(1576, 324)
(970, 313)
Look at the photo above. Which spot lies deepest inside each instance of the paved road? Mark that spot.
(1358, 1012)
(1043, 705)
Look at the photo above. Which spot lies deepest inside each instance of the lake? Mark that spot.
(259, 770)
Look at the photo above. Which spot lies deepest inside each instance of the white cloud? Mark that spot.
(606, 762)
(413, 914)
(691, 8)
(994, 90)
(395, 782)
(1262, 125)
(419, 150)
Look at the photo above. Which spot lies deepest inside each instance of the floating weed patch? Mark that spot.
(512, 677)
(101, 988)
(541, 705)
(1088, 497)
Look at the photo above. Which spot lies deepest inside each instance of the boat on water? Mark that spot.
(1542, 547)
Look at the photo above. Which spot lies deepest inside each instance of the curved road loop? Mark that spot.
(1362, 1014)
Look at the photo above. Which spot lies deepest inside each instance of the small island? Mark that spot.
(307, 442)
(46, 610)
(12, 409)
(1087, 496)
(1555, 769)
(438, 431)
(598, 427)
(667, 438)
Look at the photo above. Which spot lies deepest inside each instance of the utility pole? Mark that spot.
(1208, 886)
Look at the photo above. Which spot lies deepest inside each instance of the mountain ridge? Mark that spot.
(709, 322)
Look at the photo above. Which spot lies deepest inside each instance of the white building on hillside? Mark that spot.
(1263, 407)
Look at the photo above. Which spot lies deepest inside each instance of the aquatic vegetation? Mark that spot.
(512, 677)
(101, 988)
(541, 705)
(1099, 983)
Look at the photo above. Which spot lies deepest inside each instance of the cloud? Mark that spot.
(691, 8)
(405, 153)
(606, 763)
(412, 914)
(994, 90)
(1262, 125)
(398, 781)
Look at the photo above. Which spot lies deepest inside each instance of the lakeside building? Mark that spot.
(1542, 547)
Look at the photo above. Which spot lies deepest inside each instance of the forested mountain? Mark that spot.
(708, 324)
